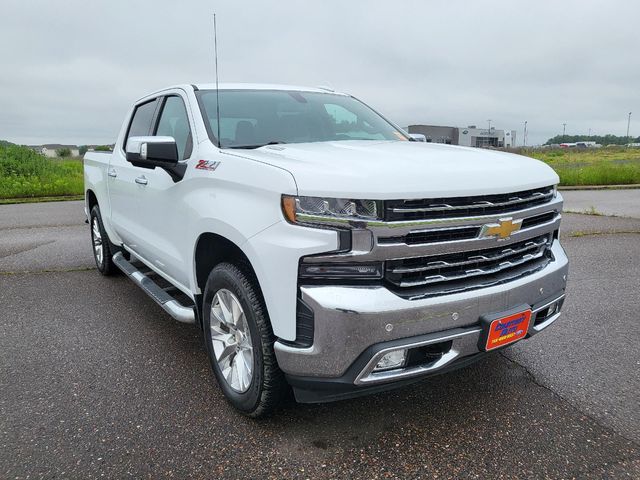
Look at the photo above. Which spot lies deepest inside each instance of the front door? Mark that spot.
(126, 182)
(162, 221)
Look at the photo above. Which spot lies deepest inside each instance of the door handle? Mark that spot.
(112, 172)
(142, 180)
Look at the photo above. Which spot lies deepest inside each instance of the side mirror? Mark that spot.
(418, 137)
(152, 152)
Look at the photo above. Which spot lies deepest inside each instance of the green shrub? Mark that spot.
(24, 173)
(63, 152)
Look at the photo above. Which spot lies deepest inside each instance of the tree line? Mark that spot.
(601, 139)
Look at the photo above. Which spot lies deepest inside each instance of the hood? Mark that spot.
(381, 170)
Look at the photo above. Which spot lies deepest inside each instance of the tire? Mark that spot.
(251, 380)
(102, 247)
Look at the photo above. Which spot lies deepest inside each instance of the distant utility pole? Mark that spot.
(524, 137)
(628, 123)
(489, 122)
(564, 129)
(589, 134)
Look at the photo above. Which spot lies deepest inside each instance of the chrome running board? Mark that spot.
(169, 304)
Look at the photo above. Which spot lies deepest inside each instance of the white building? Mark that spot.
(483, 137)
(51, 149)
(470, 136)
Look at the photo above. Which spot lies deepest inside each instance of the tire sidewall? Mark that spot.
(221, 277)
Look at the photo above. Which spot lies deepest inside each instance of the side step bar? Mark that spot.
(167, 302)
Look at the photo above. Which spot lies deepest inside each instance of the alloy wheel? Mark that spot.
(231, 340)
(98, 249)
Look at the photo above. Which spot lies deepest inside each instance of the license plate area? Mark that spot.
(505, 328)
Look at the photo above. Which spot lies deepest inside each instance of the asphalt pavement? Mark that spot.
(622, 203)
(97, 381)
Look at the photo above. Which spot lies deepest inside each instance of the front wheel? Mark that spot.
(240, 341)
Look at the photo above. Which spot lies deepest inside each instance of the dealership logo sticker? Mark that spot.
(207, 165)
(504, 331)
(506, 328)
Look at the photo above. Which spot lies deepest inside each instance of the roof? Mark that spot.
(57, 145)
(263, 86)
(247, 86)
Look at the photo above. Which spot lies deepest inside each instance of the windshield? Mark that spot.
(254, 118)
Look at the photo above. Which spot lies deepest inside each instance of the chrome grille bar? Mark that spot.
(472, 273)
(507, 276)
(445, 207)
(533, 245)
(442, 208)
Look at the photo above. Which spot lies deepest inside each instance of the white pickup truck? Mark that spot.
(319, 246)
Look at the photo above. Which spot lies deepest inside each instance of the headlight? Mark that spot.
(362, 271)
(329, 211)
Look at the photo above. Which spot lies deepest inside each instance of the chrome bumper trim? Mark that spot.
(551, 319)
(547, 322)
(348, 320)
(464, 343)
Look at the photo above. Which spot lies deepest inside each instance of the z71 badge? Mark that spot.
(207, 165)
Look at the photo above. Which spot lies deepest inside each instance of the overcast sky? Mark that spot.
(71, 68)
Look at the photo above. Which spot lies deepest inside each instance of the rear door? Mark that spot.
(126, 182)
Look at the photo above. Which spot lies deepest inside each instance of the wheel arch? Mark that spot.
(91, 199)
(212, 249)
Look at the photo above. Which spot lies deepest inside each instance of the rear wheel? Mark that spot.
(102, 250)
(240, 341)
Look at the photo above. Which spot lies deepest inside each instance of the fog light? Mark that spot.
(391, 360)
(553, 309)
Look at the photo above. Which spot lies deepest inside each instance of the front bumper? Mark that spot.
(355, 325)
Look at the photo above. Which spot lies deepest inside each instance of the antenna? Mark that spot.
(215, 50)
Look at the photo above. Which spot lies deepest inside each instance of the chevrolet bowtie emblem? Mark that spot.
(503, 229)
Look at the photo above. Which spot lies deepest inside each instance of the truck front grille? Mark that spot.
(449, 273)
(432, 247)
(433, 208)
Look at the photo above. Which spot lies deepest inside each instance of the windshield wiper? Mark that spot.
(252, 147)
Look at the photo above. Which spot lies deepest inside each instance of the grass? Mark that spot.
(57, 198)
(587, 233)
(602, 166)
(591, 211)
(25, 174)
